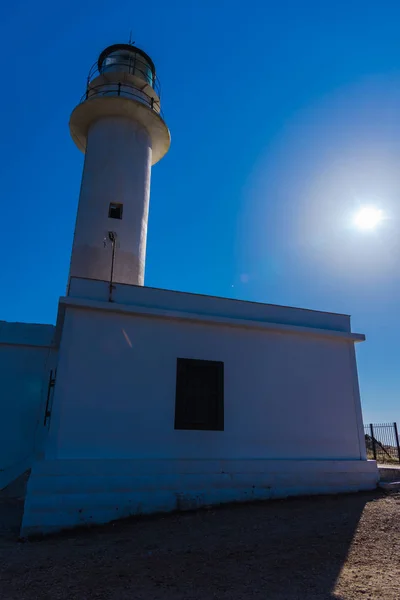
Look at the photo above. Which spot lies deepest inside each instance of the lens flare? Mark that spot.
(368, 217)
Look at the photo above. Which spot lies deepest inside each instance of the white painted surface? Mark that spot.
(197, 304)
(25, 358)
(116, 170)
(97, 107)
(68, 493)
(286, 396)
(292, 409)
(206, 318)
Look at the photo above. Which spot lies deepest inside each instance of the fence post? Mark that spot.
(396, 433)
(371, 427)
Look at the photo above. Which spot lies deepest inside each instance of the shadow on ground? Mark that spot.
(288, 549)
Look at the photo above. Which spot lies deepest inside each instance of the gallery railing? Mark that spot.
(125, 90)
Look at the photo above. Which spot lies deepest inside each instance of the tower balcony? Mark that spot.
(123, 89)
(122, 83)
(125, 71)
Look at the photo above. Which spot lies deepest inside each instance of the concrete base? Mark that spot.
(390, 486)
(389, 472)
(68, 493)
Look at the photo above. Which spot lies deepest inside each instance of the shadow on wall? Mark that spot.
(26, 356)
(12, 506)
(284, 550)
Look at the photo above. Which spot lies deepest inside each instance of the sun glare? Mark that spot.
(368, 217)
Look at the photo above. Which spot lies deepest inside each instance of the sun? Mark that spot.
(368, 217)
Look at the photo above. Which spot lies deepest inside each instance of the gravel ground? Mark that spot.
(305, 548)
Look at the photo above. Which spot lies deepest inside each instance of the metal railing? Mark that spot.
(125, 90)
(382, 442)
(132, 66)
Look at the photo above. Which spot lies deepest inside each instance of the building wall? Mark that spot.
(287, 396)
(293, 421)
(25, 358)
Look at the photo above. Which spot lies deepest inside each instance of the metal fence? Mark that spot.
(382, 442)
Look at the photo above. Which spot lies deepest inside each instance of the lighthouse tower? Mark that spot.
(119, 126)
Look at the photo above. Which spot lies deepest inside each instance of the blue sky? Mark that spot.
(285, 118)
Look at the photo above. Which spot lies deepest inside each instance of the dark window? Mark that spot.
(115, 211)
(199, 400)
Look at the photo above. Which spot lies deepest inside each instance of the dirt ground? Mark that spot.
(306, 548)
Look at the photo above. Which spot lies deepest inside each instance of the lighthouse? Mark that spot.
(119, 126)
(145, 400)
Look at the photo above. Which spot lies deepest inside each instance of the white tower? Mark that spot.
(119, 126)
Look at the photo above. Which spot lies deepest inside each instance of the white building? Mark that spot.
(143, 400)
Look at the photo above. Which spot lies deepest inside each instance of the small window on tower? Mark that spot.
(115, 211)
